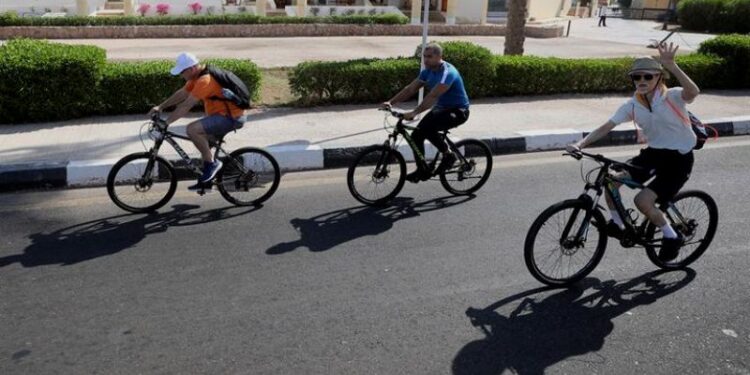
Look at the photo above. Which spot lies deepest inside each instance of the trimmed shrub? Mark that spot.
(59, 82)
(715, 15)
(700, 15)
(735, 49)
(370, 81)
(45, 81)
(130, 87)
(474, 63)
(9, 19)
(355, 81)
(528, 75)
(708, 72)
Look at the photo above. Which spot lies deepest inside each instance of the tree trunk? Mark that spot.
(518, 11)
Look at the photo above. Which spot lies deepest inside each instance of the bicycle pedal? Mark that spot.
(205, 191)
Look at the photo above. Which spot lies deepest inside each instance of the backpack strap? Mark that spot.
(685, 119)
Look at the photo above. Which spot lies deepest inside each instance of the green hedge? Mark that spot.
(736, 50)
(529, 75)
(46, 82)
(43, 81)
(372, 80)
(369, 80)
(355, 81)
(715, 15)
(10, 19)
(474, 62)
(129, 87)
(707, 71)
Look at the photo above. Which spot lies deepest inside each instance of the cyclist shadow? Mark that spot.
(97, 238)
(326, 231)
(542, 331)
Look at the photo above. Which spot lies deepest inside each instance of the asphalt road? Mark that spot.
(313, 283)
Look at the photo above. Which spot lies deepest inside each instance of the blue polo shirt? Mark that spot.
(456, 96)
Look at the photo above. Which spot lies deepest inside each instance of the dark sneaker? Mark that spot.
(448, 160)
(613, 230)
(209, 173)
(670, 249)
(416, 176)
(201, 187)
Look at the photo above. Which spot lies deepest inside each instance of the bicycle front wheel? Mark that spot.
(695, 216)
(471, 172)
(141, 183)
(554, 252)
(249, 177)
(377, 175)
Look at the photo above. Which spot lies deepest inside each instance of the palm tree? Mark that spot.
(518, 11)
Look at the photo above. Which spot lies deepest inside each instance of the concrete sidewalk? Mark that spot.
(621, 38)
(80, 152)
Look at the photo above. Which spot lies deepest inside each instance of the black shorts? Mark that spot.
(669, 169)
(440, 119)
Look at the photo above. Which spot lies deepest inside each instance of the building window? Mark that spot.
(497, 6)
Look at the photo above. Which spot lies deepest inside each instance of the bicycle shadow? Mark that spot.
(326, 231)
(540, 332)
(97, 238)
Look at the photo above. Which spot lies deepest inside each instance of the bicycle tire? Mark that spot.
(161, 167)
(377, 154)
(532, 237)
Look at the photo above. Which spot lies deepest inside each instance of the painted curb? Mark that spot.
(92, 173)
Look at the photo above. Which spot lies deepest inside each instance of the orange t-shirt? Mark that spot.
(205, 87)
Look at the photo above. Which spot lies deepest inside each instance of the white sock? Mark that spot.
(668, 232)
(616, 218)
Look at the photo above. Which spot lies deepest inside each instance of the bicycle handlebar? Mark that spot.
(393, 113)
(156, 118)
(579, 154)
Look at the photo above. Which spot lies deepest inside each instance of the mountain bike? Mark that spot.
(145, 181)
(378, 172)
(567, 241)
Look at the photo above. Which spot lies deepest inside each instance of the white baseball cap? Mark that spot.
(184, 60)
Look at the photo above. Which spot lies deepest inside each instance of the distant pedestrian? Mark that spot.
(602, 16)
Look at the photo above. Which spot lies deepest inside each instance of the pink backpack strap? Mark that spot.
(685, 119)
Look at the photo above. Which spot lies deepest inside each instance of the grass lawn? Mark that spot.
(275, 89)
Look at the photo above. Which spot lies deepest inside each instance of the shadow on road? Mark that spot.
(544, 330)
(326, 231)
(102, 237)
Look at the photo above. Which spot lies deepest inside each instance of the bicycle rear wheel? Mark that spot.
(553, 253)
(472, 171)
(696, 219)
(377, 175)
(250, 176)
(141, 183)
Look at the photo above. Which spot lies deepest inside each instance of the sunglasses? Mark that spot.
(638, 77)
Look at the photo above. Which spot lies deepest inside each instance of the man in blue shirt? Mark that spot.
(447, 100)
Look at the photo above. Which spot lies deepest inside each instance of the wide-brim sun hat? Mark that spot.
(646, 64)
(184, 60)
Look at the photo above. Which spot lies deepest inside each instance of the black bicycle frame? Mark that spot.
(166, 135)
(605, 183)
(419, 158)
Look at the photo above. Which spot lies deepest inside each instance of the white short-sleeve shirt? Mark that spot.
(663, 128)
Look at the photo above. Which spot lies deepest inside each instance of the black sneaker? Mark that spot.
(448, 160)
(670, 249)
(416, 176)
(201, 187)
(613, 230)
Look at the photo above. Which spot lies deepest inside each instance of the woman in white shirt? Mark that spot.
(660, 113)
